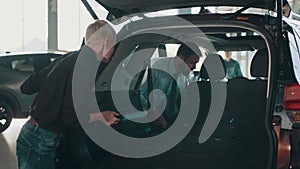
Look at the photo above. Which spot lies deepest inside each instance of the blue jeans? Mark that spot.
(37, 148)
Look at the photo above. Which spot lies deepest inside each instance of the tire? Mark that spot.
(6, 116)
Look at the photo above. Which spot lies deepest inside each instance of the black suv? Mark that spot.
(15, 68)
(244, 122)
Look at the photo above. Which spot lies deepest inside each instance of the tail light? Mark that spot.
(292, 97)
(292, 106)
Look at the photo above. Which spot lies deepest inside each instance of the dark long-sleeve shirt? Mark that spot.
(53, 106)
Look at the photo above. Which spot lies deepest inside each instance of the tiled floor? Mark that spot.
(8, 159)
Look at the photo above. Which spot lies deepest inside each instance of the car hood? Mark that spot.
(119, 8)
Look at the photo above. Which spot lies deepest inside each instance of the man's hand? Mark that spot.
(107, 117)
(110, 118)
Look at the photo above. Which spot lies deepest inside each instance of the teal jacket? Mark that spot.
(163, 75)
(233, 69)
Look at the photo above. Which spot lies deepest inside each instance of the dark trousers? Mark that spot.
(75, 151)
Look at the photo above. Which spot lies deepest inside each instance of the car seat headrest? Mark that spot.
(213, 61)
(260, 63)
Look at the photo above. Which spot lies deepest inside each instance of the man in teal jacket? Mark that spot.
(169, 77)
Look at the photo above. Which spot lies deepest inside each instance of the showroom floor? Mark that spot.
(8, 159)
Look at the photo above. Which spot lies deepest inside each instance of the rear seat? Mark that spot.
(241, 139)
(246, 100)
(219, 144)
(204, 86)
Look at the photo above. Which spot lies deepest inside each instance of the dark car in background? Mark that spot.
(14, 69)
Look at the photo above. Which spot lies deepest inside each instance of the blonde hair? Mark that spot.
(99, 30)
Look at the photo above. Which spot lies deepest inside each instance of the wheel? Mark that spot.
(5, 116)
